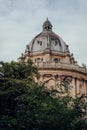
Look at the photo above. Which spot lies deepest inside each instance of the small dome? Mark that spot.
(47, 26)
(47, 39)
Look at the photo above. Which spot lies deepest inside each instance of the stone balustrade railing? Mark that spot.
(60, 66)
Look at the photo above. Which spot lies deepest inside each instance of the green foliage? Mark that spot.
(25, 105)
(19, 70)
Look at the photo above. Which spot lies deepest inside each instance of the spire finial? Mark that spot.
(47, 18)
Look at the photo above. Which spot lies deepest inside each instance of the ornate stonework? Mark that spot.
(55, 62)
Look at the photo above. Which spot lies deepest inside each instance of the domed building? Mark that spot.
(55, 62)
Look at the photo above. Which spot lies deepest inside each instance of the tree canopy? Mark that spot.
(26, 105)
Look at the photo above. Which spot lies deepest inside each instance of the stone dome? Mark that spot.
(47, 39)
(55, 63)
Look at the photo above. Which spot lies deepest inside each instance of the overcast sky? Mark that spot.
(21, 20)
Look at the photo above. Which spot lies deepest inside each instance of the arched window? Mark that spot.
(56, 60)
(66, 86)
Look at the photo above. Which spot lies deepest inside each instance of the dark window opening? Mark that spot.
(56, 60)
(56, 43)
(39, 42)
(66, 85)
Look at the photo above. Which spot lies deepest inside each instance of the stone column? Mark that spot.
(78, 85)
(59, 79)
(73, 88)
(54, 77)
(84, 87)
(41, 78)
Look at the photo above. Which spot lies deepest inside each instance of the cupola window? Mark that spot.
(39, 42)
(55, 43)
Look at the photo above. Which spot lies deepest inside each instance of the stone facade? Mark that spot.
(55, 62)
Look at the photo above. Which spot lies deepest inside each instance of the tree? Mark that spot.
(19, 70)
(26, 105)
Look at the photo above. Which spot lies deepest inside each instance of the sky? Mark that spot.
(21, 21)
